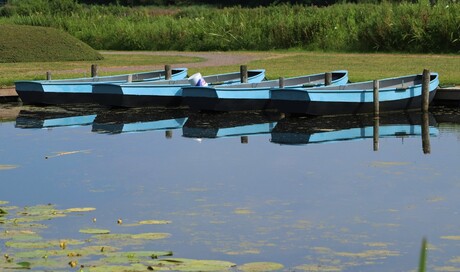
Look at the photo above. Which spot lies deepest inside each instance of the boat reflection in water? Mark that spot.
(229, 124)
(52, 117)
(132, 120)
(327, 129)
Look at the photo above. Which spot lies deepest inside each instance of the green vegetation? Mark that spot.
(32, 44)
(386, 27)
(360, 66)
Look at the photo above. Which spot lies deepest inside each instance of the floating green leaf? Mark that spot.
(8, 166)
(80, 210)
(179, 264)
(95, 231)
(3, 212)
(30, 245)
(20, 235)
(133, 257)
(151, 236)
(24, 265)
(154, 222)
(260, 267)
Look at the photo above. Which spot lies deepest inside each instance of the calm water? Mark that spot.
(306, 193)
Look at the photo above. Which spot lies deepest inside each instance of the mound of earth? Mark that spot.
(36, 44)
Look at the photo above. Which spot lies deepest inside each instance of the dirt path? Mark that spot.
(211, 58)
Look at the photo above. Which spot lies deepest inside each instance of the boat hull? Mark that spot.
(216, 104)
(54, 98)
(160, 95)
(77, 91)
(250, 97)
(132, 101)
(395, 94)
(336, 108)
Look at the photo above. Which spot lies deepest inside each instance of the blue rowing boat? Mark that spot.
(395, 94)
(250, 96)
(163, 94)
(79, 90)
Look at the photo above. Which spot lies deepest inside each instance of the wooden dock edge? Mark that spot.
(8, 95)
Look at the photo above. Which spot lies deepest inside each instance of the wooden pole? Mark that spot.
(244, 139)
(93, 70)
(281, 82)
(426, 133)
(376, 133)
(48, 75)
(244, 73)
(168, 72)
(425, 90)
(327, 79)
(376, 98)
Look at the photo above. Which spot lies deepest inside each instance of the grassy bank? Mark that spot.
(32, 44)
(276, 63)
(386, 27)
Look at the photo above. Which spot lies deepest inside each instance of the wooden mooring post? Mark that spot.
(425, 90)
(376, 98)
(48, 75)
(94, 70)
(168, 72)
(327, 79)
(281, 82)
(244, 73)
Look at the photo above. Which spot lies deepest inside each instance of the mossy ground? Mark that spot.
(41, 44)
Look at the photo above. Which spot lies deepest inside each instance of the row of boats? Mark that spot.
(290, 131)
(316, 94)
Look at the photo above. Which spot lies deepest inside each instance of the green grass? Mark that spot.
(32, 44)
(360, 66)
(111, 64)
(386, 27)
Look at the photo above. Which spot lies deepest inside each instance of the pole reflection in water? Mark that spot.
(376, 133)
(426, 133)
(327, 129)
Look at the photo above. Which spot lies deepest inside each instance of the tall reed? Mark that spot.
(385, 27)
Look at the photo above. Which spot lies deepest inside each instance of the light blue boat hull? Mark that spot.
(395, 94)
(247, 97)
(72, 91)
(163, 94)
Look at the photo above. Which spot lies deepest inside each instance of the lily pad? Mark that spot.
(80, 210)
(20, 235)
(154, 222)
(30, 245)
(133, 257)
(8, 166)
(260, 267)
(179, 264)
(95, 231)
(151, 236)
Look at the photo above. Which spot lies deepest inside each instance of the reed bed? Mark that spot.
(386, 27)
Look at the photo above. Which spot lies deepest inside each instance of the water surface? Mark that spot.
(308, 193)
